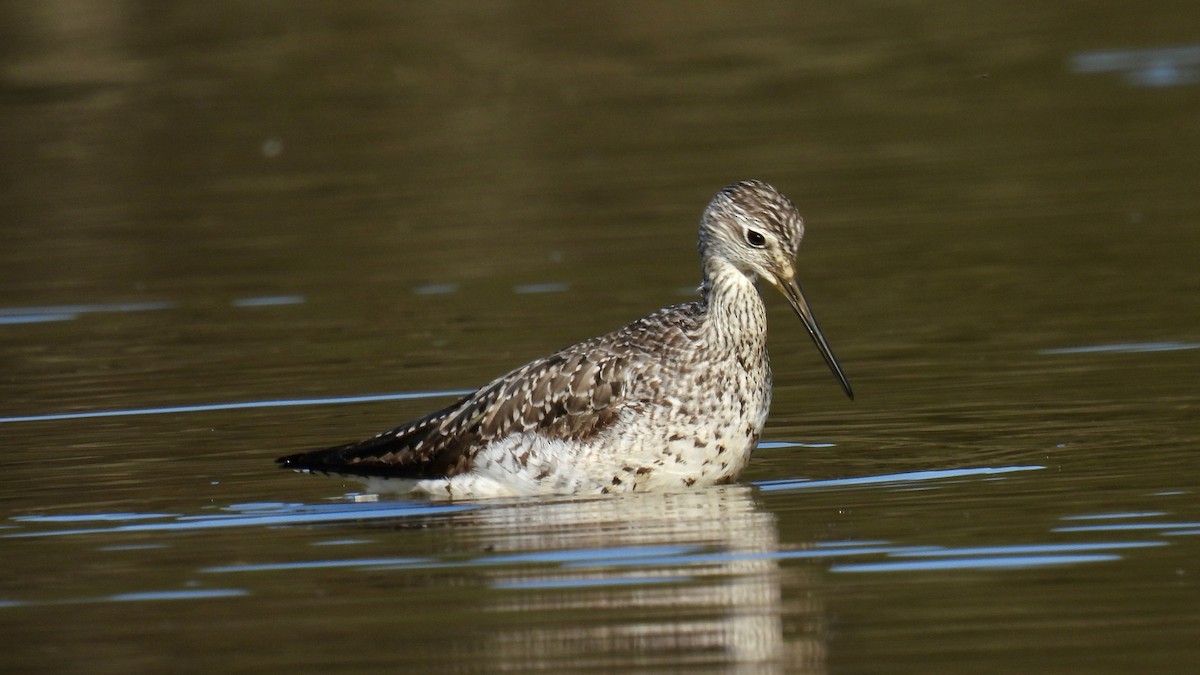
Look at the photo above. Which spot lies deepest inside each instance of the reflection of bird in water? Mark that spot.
(644, 580)
(676, 399)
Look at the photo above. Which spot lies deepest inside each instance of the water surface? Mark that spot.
(231, 231)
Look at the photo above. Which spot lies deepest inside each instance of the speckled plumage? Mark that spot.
(674, 400)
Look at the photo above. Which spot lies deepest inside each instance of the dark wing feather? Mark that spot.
(573, 394)
(402, 451)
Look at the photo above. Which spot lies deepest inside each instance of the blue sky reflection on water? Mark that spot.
(892, 557)
(1155, 67)
(259, 516)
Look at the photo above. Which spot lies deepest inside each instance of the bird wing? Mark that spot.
(573, 394)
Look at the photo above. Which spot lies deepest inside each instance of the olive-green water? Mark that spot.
(224, 225)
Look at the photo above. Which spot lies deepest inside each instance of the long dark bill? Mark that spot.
(791, 290)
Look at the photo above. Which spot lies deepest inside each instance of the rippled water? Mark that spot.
(232, 231)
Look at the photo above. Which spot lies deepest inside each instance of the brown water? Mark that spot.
(236, 203)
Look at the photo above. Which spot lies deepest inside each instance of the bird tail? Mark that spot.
(363, 458)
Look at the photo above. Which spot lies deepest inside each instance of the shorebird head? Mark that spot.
(753, 227)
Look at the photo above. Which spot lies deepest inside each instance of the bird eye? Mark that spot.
(755, 238)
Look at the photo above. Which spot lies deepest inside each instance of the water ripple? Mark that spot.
(284, 514)
(269, 300)
(1002, 562)
(140, 596)
(206, 407)
(908, 477)
(1122, 348)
